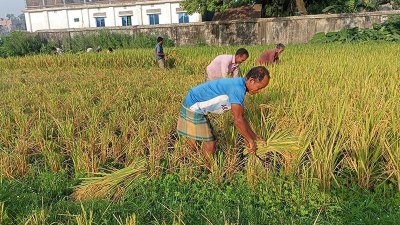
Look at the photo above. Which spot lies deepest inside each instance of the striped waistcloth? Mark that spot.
(194, 125)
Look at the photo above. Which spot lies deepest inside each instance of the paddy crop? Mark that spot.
(84, 114)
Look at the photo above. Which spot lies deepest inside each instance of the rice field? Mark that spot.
(331, 114)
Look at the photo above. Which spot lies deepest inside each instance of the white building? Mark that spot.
(68, 14)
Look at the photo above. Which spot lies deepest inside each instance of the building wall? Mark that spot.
(78, 18)
(299, 29)
(175, 19)
(164, 17)
(136, 14)
(109, 19)
(37, 21)
(84, 15)
(58, 18)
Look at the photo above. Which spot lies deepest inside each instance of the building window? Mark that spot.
(100, 22)
(153, 18)
(183, 17)
(76, 20)
(126, 21)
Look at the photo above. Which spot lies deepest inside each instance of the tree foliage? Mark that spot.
(274, 8)
(352, 6)
(388, 31)
(201, 6)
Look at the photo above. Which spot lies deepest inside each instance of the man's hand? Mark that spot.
(244, 128)
(252, 147)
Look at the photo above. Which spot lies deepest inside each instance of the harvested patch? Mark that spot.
(111, 185)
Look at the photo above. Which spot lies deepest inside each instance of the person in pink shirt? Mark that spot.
(271, 56)
(226, 65)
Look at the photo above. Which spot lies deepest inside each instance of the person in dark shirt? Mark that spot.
(160, 56)
(271, 56)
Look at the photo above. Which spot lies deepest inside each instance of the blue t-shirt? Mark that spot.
(216, 96)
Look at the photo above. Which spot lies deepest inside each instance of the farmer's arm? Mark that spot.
(236, 72)
(224, 68)
(243, 127)
(277, 59)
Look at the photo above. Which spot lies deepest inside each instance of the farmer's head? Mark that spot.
(257, 79)
(280, 48)
(241, 55)
(160, 40)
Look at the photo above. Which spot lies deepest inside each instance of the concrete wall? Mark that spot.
(302, 29)
(298, 29)
(54, 18)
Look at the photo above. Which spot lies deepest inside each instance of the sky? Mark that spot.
(11, 7)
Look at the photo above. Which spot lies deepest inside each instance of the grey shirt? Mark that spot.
(159, 50)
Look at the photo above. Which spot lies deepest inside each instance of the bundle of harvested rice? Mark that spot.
(110, 185)
(282, 143)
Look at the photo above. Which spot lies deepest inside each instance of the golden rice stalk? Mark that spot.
(111, 185)
(281, 142)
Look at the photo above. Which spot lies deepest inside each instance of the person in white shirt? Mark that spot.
(226, 65)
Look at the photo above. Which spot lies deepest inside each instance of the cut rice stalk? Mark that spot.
(282, 142)
(112, 185)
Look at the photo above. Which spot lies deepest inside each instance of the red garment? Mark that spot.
(268, 57)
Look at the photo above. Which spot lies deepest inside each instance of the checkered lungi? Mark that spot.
(194, 125)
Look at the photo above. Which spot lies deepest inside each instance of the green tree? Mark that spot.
(202, 6)
(10, 16)
(301, 6)
(278, 6)
(352, 6)
(275, 8)
(18, 44)
(18, 23)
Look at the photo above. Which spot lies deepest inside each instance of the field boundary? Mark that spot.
(294, 29)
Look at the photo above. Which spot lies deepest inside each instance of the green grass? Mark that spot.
(168, 199)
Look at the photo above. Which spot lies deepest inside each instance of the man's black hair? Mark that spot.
(258, 73)
(280, 45)
(159, 39)
(242, 51)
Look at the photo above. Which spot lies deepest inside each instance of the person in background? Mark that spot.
(217, 97)
(57, 51)
(159, 52)
(271, 56)
(98, 49)
(226, 65)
